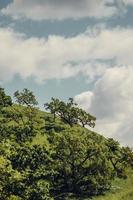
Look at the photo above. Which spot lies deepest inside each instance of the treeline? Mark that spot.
(45, 156)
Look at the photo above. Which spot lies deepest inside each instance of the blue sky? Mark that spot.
(81, 49)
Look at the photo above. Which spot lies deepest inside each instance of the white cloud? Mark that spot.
(128, 2)
(60, 9)
(84, 99)
(111, 101)
(41, 58)
(59, 57)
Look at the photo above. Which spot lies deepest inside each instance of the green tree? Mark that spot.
(26, 97)
(26, 116)
(81, 163)
(70, 113)
(5, 100)
(7, 176)
(53, 106)
(120, 157)
(85, 118)
(32, 166)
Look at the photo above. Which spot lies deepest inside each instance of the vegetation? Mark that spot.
(70, 113)
(48, 156)
(121, 190)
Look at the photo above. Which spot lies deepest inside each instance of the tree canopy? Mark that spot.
(70, 113)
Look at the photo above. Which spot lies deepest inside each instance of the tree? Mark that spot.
(70, 113)
(26, 97)
(120, 158)
(7, 176)
(53, 106)
(127, 156)
(81, 163)
(29, 170)
(26, 115)
(5, 100)
(85, 118)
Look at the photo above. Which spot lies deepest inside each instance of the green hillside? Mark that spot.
(52, 155)
(122, 189)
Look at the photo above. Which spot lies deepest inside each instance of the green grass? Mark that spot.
(121, 190)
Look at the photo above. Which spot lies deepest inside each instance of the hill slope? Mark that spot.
(47, 156)
(121, 190)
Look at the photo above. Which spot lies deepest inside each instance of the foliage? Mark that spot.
(120, 190)
(70, 113)
(82, 163)
(26, 97)
(44, 155)
(5, 100)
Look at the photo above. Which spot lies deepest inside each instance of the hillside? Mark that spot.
(121, 190)
(52, 155)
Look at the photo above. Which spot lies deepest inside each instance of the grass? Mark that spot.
(121, 190)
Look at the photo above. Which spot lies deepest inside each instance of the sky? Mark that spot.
(75, 48)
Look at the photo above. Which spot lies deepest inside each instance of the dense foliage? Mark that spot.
(45, 156)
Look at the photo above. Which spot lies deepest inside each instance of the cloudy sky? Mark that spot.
(74, 48)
